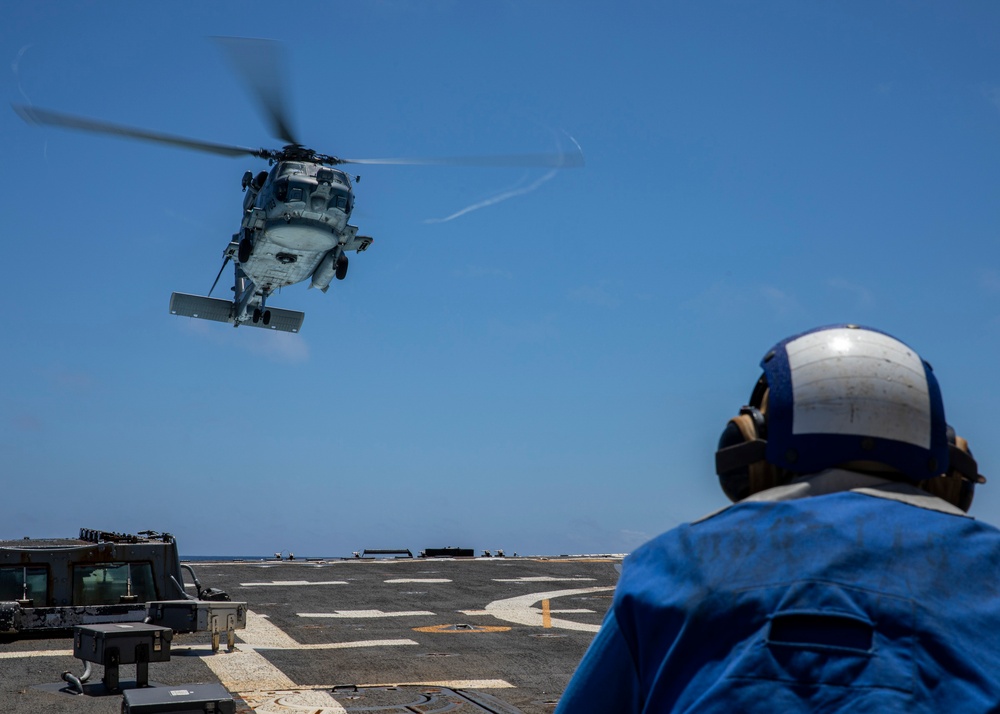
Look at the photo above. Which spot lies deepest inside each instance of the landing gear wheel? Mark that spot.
(342, 267)
(256, 315)
(267, 317)
(246, 247)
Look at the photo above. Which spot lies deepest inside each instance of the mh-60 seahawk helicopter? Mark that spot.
(294, 224)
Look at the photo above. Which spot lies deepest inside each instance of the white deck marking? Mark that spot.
(245, 670)
(364, 613)
(293, 583)
(319, 700)
(449, 683)
(417, 580)
(36, 653)
(539, 579)
(521, 609)
(344, 645)
(261, 632)
(313, 701)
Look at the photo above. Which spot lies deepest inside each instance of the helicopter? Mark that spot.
(294, 223)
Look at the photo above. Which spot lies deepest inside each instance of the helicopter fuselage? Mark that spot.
(294, 227)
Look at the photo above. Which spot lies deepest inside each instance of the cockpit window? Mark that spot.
(292, 167)
(296, 192)
(106, 583)
(18, 582)
(338, 199)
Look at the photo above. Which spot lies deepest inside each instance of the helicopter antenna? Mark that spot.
(224, 264)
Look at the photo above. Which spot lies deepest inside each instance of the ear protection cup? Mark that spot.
(735, 455)
(958, 485)
(739, 459)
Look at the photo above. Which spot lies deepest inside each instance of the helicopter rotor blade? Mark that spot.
(561, 160)
(37, 115)
(262, 66)
(224, 264)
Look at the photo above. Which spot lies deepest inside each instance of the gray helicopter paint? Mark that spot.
(293, 237)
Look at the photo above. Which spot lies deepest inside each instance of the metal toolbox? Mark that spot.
(122, 643)
(205, 698)
(214, 616)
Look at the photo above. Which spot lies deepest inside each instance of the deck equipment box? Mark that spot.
(205, 698)
(200, 616)
(122, 643)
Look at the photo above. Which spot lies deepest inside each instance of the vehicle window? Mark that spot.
(297, 192)
(17, 580)
(106, 583)
(291, 167)
(281, 190)
(339, 200)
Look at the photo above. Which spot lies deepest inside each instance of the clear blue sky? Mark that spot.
(547, 374)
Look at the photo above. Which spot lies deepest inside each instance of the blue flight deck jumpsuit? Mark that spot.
(841, 593)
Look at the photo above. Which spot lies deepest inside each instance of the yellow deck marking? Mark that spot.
(452, 628)
(546, 614)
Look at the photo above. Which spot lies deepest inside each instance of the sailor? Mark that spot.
(847, 575)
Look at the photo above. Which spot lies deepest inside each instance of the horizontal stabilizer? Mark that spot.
(206, 308)
(282, 320)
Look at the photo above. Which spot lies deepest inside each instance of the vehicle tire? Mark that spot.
(342, 267)
(256, 315)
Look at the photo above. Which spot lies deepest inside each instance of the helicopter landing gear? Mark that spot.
(341, 267)
(259, 316)
(246, 247)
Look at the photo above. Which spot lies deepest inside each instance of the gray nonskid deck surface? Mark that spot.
(491, 634)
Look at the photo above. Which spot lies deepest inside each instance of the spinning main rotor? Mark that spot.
(261, 64)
